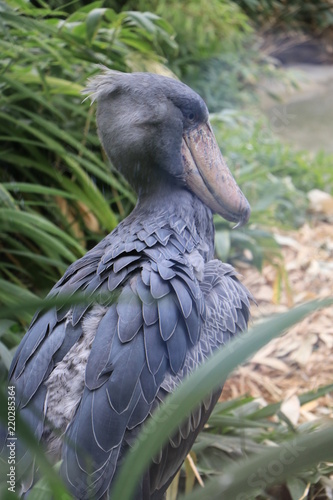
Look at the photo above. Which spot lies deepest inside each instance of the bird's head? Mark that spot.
(156, 129)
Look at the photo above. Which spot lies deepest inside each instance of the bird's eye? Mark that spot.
(191, 117)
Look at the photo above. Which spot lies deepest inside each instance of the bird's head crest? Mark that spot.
(103, 84)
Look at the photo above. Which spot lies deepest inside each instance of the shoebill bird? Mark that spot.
(88, 377)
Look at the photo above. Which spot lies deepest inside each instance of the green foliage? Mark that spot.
(225, 81)
(296, 14)
(247, 138)
(202, 29)
(209, 35)
(242, 431)
(273, 176)
(58, 195)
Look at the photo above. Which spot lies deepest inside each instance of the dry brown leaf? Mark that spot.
(303, 353)
(301, 360)
(91, 222)
(89, 218)
(291, 409)
(327, 339)
(320, 202)
(277, 364)
(310, 406)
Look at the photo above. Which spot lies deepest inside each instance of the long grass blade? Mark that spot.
(207, 377)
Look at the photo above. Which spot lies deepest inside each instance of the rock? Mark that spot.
(321, 202)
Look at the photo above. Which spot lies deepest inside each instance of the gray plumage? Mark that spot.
(88, 376)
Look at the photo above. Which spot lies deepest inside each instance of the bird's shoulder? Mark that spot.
(145, 269)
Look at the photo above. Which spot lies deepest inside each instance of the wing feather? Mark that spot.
(129, 309)
(177, 346)
(158, 287)
(44, 324)
(184, 298)
(168, 315)
(154, 346)
(158, 325)
(40, 364)
(96, 370)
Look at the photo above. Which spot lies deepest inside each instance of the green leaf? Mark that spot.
(205, 379)
(273, 408)
(5, 198)
(42, 230)
(5, 355)
(222, 244)
(93, 21)
(296, 488)
(55, 85)
(270, 467)
(5, 325)
(25, 187)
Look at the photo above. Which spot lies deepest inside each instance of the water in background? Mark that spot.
(305, 118)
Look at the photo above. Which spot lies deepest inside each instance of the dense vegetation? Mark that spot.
(59, 195)
(306, 16)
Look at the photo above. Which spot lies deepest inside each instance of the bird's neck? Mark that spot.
(169, 202)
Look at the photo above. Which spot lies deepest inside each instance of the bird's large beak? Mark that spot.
(208, 176)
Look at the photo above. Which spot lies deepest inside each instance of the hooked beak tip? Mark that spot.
(244, 217)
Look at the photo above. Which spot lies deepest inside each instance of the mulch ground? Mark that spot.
(302, 359)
